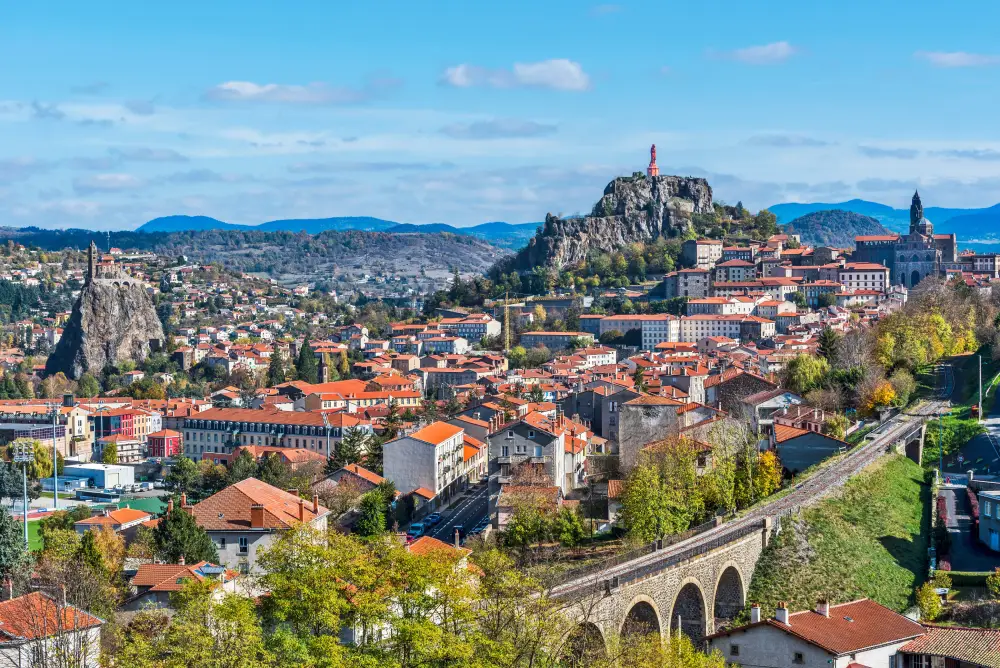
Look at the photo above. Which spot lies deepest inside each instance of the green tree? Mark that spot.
(371, 520)
(351, 448)
(804, 373)
(14, 557)
(929, 602)
(993, 583)
(344, 366)
(799, 299)
(88, 386)
(184, 475)
(273, 471)
(373, 459)
(109, 455)
(275, 369)
(305, 367)
(568, 527)
(644, 508)
(828, 340)
(243, 467)
(178, 535)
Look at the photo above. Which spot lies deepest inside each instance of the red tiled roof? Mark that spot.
(427, 546)
(783, 432)
(851, 627)
(35, 615)
(117, 516)
(436, 432)
(229, 510)
(977, 646)
(365, 474)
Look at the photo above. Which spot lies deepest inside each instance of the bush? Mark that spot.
(942, 579)
(993, 583)
(968, 578)
(929, 602)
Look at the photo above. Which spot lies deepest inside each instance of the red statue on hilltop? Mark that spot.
(652, 170)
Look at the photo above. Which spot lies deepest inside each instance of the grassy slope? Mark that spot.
(871, 541)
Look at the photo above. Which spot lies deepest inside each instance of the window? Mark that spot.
(798, 658)
(531, 434)
(244, 545)
(504, 451)
(987, 509)
(510, 434)
(734, 649)
(538, 451)
(222, 543)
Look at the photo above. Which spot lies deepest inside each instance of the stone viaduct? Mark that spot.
(698, 583)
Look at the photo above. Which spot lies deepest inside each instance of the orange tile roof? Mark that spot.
(615, 488)
(783, 432)
(428, 546)
(974, 645)
(424, 492)
(365, 474)
(118, 516)
(436, 432)
(229, 510)
(166, 577)
(34, 615)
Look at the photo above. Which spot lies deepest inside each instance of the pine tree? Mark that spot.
(351, 447)
(371, 521)
(178, 535)
(14, 557)
(275, 370)
(273, 471)
(306, 367)
(373, 459)
(392, 421)
(243, 467)
(828, 340)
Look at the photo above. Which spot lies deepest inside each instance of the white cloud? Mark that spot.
(314, 93)
(764, 54)
(555, 74)
(500, 128)
(99, 183)
(957, 58)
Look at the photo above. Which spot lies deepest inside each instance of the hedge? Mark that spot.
(968, 578)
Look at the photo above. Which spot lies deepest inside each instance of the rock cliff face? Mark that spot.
(633, 209)
(112, 321)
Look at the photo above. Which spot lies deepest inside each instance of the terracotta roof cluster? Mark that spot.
(35, 616)
(168, 577)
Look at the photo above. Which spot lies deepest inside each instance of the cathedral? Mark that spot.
(910, 257)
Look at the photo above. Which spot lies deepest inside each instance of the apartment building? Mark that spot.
(431, 459)
(694, 283)
(864, 276)
(701, 253)
(735, 270)
(472, 327)
(554, 340)
(695, 328)
(655, 327)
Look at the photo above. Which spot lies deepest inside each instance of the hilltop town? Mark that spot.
(578, 421)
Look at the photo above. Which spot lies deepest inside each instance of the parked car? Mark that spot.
(416, 530)
(432, 519)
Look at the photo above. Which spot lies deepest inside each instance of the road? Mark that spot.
(982, 453)
(467, 513)
(819, 485)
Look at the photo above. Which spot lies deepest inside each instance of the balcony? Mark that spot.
(539, 460)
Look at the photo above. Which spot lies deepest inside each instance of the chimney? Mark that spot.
(302, 509)
(184, 499)
(293, 491)
(781, 613)
(755, 613)
(170, 505)
(257, 516)
(107, 511)
(823, 607)
(181, 560)
(315, 504)
(458, 540)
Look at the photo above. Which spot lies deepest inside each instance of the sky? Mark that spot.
(114, 113)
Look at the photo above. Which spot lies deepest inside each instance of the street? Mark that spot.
(466, 512)
(982, 453)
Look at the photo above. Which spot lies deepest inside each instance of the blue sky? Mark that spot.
(112, 113)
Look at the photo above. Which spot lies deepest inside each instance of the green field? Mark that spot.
(34, 540)
(871, 541)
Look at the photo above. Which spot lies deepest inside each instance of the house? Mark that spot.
(953, 647)
(119, 520)
(362, 478)
(247, 516)
(859, 633)
(164, 443)
(798, 449)
(38, 630)
(759, 407)
(153, 584)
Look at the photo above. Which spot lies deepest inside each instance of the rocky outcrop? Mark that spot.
(633, 209)
(112, 321)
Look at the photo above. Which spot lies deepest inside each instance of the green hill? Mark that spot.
(834, 228)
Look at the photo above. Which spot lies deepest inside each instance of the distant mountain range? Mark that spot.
(500, 234)
(835, 228)
(967, 224)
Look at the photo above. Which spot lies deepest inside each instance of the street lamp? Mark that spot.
(55, 460)
(326, 423)
(24, 454)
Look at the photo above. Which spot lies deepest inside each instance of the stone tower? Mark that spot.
(91, 262)
(916, 212)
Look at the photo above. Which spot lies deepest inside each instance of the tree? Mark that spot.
(344, 366)
(799, 299)
(804, 373)
(88, 386)
(275, 369)
(273, 471)
(928, 601)
(14, 557)
(178, 535)
(351, 448)
(568, 527)
(768, 475)
(392, 420)
(993, 583)
(836, 425)
(371, 521)
(644, 509)
(516, 357)
(109, 455)
(374, 456)
(306, 368)
(184, 475)
(881, 396)
(828, 340)
(243, 467)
